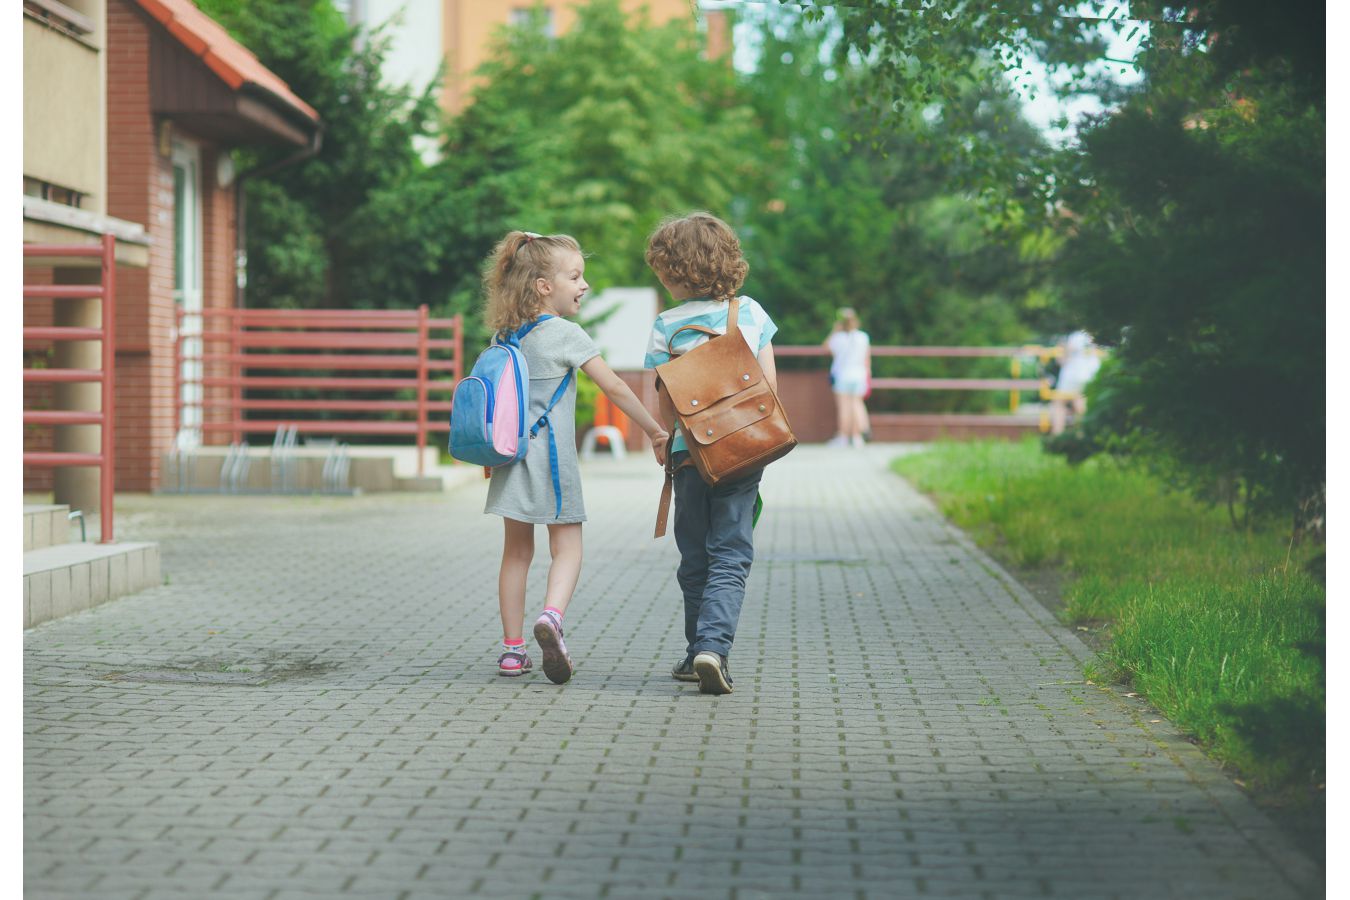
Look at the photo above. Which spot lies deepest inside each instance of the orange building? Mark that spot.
(459, 32)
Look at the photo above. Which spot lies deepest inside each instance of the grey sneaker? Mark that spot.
(711, 669)
(549, 637)
(684, 670)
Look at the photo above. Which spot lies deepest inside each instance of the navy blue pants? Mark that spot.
(713, 533)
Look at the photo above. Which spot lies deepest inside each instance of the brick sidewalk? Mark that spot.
(310, 708)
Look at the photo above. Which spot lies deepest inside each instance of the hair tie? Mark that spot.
(529, 238)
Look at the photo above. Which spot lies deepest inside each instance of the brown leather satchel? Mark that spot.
(732, 421)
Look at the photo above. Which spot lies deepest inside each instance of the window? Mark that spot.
(540, 17)
(61, 17)
(53, 193)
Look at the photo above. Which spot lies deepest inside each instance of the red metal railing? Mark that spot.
(946, 422)
(1013, 385)
(105, 291)
(364, 345)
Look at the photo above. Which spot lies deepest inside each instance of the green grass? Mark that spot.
(1219, 629)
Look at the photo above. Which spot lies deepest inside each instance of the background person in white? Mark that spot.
(850, 375)
(1077, 367)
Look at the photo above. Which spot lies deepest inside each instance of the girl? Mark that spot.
(536, 278)
(850, 375)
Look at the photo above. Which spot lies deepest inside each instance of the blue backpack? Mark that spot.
(490, 407)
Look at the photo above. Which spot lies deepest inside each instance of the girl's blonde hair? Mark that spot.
(848, 318)
(510, 272)
(698, 251)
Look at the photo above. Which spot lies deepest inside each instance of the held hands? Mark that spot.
(660, 439)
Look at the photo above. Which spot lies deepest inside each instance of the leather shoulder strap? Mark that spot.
(667, 489)
(670, 343)
(732, 319)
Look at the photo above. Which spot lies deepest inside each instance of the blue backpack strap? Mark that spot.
(515, 337)
(553, 444)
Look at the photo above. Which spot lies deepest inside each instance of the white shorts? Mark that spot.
(849, 385)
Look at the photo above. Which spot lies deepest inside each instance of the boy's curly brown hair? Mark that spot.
(700, 252)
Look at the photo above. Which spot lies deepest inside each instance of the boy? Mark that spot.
(698, 260)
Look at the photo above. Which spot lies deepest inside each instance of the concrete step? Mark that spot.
(366, 474)
(45, 525)
(70, 578)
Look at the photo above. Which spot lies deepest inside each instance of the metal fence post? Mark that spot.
(422, 337)
(108, 471)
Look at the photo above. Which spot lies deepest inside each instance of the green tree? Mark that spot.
(878, 222)
(599, 133)
(1201, 256)
(359, 225)
(1192, 215)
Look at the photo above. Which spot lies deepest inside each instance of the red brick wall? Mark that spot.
(140, 189)
(218, 254)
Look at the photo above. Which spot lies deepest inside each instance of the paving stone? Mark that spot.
(907, 720)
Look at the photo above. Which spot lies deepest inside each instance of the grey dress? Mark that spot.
(523, 490)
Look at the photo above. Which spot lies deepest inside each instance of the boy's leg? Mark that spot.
(730, 550)
(517, 552)
(691, 535)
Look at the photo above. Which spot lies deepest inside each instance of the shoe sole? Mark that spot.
(557, 667)
(710, 679)
(514, 673)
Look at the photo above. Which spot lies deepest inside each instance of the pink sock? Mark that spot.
(556, 613)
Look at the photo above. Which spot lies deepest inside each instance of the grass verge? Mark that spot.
(1223, 631)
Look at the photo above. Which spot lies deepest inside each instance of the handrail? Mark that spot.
(321, 350)
(106, 334)
(1014, 385)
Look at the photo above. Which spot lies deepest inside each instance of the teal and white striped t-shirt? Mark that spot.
(754, 324)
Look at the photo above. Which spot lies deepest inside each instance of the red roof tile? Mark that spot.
(230, 60)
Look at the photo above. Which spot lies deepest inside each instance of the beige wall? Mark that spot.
(64, 130)
(468, 27)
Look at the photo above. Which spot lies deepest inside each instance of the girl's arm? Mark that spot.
(614, 388)
(770, 368)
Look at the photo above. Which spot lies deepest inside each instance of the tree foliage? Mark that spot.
(357, 226)
(879, 222)
(599, 133)
(1192, 215)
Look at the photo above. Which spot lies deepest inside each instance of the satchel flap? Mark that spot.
(730, 417)
(713, 370)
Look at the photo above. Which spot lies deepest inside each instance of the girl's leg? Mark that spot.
(850, 404)
(859, 417)
(517, 552)
(564, 545)
(841, 406)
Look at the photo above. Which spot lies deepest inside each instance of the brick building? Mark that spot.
(171, 93)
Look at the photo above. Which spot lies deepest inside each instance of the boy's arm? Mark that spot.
(624, 398)
(766, 363)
